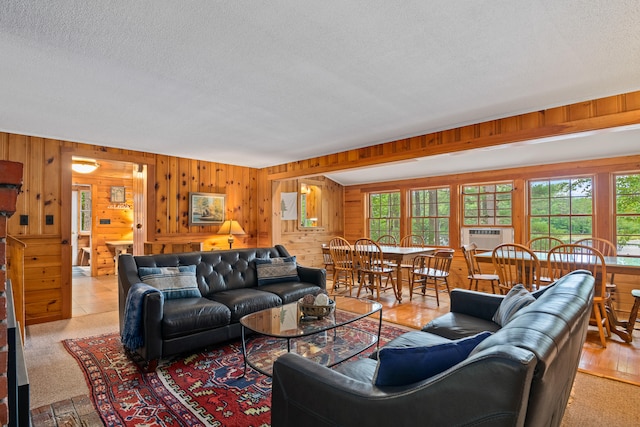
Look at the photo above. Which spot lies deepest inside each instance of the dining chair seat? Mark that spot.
(474, 273)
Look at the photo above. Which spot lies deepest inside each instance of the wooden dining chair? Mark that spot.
(387, 240)
(606, 248)
(343, 267)
(564, 259)
(544, 244)
(516, 264)
(409, 241)
(327, 261)
(474, 271)
(372, 267)
(430, 272)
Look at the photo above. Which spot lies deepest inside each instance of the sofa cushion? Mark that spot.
(405, 365)
(458, 325)
(276, 270)
(517, 298)
(246, 301)
(187, 316)
(291, 291)
(174, 282)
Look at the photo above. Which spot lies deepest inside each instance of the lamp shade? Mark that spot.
(231, 227)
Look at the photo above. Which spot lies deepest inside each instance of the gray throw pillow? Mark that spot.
(517, 298)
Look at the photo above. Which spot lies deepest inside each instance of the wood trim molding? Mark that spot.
(604, 113)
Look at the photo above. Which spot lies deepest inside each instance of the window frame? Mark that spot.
(496, 200)
(437, 233)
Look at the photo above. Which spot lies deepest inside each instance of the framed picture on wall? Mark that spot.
(206, 208)
(118, 195)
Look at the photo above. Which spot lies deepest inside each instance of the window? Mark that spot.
(384, 214)
(628, 214)
(430, 211)
(85, 210)
(487, 204)
(561, 208)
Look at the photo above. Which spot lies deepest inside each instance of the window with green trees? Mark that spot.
(628, 214)
(430, 212)
(487, 204)
(561, 208)
(384, 214)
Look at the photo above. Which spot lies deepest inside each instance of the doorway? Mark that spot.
(104, 204)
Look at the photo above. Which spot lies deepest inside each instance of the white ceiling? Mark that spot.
(262, 83)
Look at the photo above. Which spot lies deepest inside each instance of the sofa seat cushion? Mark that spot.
(187, 316)
(457, 325)
(291, 291)
(359, 370)
(413, 339)
(245, 301)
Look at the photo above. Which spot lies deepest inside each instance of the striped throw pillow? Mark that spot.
(517, 298)
(173, 282)
(276, 270)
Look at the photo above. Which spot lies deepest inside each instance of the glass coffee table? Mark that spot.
(330, 340)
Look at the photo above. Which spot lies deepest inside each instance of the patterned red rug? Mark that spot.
(202, 389)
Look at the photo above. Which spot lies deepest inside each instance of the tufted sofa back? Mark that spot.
(216, 270)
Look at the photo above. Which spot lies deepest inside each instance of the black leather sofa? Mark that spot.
(228, 283)
(520, 376)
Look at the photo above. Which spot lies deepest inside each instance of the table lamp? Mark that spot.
(231, 227)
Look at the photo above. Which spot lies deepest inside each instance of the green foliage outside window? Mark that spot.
(561, 208)
(430, 212)
(487, 204)
(384, 214)
(628, 214)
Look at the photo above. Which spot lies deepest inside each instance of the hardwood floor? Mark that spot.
(619, 360)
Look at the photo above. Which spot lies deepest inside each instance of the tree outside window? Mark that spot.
(628, 214)
(384, 214)
(487, 204)
(561, 208)
(430, 213)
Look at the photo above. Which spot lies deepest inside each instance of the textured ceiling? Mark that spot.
(261, 83)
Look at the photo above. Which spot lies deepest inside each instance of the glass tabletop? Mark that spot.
(287, 321)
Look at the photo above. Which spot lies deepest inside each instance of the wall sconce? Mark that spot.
(84, 165)
(231, 227)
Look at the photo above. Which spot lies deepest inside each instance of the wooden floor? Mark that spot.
(619, 360)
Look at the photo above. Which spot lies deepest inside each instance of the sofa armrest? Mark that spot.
(507, 372)
(316, 276)
(476, 304)
(152, 327)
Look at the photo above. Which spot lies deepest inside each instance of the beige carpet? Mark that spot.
(55, 376)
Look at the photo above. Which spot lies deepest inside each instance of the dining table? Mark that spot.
(118, 247)
(397, 254)
(619, 264)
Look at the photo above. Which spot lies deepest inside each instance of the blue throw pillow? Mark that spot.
(173, 282)
(406, 365)
(276, 270)
(518, 297)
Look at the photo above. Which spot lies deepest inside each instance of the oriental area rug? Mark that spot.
(202, 389)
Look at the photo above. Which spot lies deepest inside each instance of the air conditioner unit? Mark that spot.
(487, 238)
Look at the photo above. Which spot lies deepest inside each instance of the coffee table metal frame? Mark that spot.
(262, 322)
